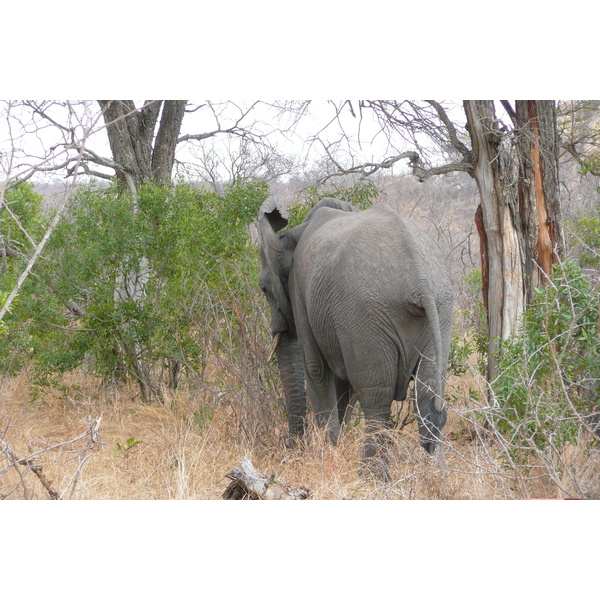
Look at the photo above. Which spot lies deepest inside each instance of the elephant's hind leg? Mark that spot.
(376, 404)
(429, 419)
(345, 401)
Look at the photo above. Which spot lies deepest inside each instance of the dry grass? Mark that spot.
(189, 444)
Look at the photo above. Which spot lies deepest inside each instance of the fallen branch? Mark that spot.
(82, 455)
(248, 484)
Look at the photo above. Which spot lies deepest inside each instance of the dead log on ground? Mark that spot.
(248, 484)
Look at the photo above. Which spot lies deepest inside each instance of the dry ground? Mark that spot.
(186, 447)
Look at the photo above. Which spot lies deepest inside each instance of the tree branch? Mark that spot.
(510, 111)
(235, 129)
(423, 173)
(38, 249)
(409, 122)
(452, 134)
(368, 168)
(163, 154)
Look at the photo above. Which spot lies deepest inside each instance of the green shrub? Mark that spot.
(549, 374)
(461, 350)
(22, 225)
(191, 247)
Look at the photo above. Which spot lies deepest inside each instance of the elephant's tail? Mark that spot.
(431, 314)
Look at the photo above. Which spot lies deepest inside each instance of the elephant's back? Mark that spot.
(362, 278)
(359, 271)
(365, 250)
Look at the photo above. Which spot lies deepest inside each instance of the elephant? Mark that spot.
(361, 304)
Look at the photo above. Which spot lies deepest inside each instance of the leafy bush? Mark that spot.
(461, 349)
(24, 204)
(192, 250)
(549, 374)
(22, 225)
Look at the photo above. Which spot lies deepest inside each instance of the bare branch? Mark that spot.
(422, 173)
(38, 249)
(365, 169)
(510, 111)
(452, 134)
(425, 127)
(92, 435)
(235, 129)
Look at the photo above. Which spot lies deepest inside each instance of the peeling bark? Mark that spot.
(494, 172)
(538, 189)
(518, 220)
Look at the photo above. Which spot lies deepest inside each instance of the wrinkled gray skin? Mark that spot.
(363, 303)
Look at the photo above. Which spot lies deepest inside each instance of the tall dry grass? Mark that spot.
(200, 433)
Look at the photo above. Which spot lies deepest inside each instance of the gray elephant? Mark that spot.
(361, 303)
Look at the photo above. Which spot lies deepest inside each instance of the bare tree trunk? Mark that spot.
(163, 155)
(519, 216)
(495, 174)
(131, 137)
(130, 134)
(141, 158)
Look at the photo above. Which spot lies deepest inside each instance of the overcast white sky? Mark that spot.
(268, 49)
(31, 140)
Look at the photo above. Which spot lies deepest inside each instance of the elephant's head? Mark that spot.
(277, 252)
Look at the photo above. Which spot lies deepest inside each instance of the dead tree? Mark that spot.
(518, 219)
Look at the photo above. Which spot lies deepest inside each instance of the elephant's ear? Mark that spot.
(270, 211)
(273, 255)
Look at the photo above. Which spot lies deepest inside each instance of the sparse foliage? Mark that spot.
(360, 195)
